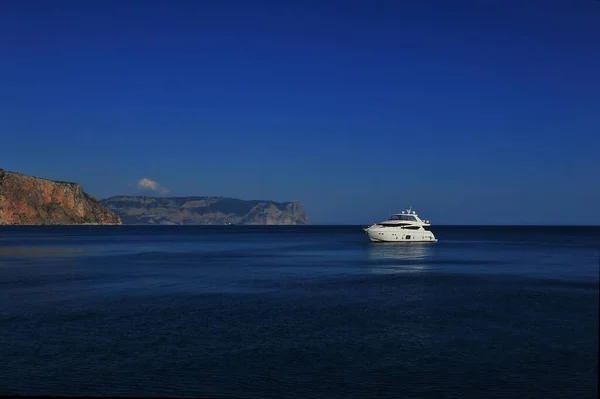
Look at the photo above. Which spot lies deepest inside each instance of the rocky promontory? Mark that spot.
(28, 200)
(205, 211)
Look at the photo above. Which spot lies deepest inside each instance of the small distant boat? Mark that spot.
(406, 226)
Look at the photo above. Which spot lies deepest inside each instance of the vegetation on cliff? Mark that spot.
(28, 200)
(205, 210)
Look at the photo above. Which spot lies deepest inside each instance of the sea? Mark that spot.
(298, 312)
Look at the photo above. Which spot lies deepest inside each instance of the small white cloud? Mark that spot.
(147, 184)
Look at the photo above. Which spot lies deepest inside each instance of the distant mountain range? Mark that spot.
(205, 210)
(29, 200)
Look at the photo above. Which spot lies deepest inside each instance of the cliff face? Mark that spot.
(33, 200)
(205, 210)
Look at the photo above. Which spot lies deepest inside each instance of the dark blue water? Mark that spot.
(298, 312)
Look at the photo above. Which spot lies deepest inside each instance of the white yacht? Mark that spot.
(405, 227)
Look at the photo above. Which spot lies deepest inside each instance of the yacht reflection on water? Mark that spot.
(391, 258)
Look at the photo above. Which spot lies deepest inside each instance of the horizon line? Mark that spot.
(290, 225)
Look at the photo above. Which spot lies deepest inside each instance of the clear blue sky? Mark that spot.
(477, 111)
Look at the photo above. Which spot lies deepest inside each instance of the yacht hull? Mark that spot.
(399, 235)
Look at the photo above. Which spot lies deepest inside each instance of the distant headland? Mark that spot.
(205, 211)
(29, 200)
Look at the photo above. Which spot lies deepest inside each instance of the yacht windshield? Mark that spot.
(408, 218)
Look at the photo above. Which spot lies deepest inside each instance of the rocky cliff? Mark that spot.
(205, 210)
(33, 200)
